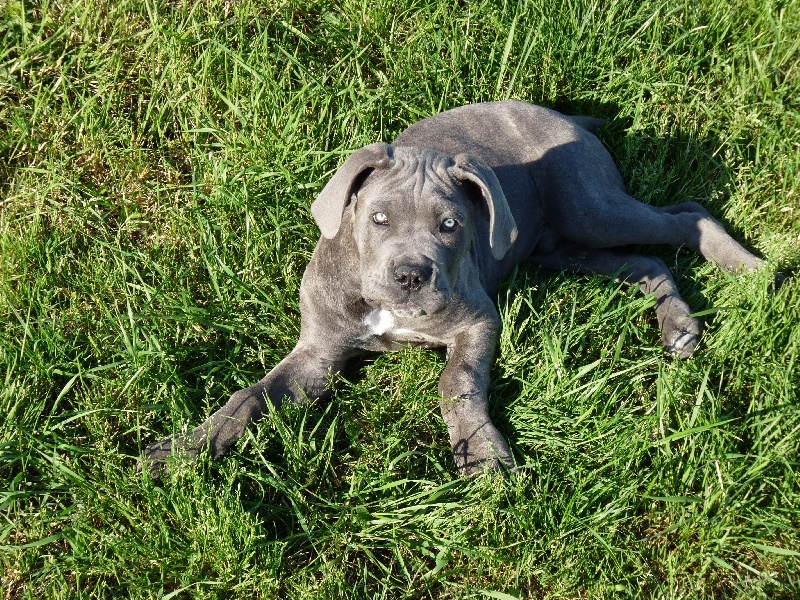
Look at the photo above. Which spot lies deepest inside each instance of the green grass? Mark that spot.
(157, 161)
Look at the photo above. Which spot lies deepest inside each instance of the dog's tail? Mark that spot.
(591, 124)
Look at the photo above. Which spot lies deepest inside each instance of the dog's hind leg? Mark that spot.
(680, 332)
(709, 238)
(612, 218)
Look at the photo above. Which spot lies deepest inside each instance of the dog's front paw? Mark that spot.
(157, 456)
(483, 451)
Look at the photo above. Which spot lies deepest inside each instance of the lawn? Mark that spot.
(157, 162)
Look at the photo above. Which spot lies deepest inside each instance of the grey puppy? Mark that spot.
(418, 235)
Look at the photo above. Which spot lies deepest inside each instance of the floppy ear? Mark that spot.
(502, 228)
(329, 206)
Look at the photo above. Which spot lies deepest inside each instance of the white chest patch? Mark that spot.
(382, 322)
(379, 321)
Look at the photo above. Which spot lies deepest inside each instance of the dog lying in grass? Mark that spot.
(417, 236)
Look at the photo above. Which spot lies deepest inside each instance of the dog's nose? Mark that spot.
(412, 277)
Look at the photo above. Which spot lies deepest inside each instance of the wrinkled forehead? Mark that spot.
(414, 175)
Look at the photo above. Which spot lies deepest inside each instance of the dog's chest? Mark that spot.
(385, 331)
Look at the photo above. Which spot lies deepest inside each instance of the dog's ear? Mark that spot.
(502, 228)
(329, 206)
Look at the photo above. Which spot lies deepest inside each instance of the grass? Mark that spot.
(157, 161)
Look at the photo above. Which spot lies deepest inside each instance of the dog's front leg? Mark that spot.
(303, 375)
(476, 442)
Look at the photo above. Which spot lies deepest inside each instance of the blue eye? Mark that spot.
(380, 218)
(448, 225)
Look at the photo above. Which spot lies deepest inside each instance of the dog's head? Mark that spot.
(414, 214)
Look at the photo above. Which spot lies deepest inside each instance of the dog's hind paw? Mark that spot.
(684, 345)
(680, 335)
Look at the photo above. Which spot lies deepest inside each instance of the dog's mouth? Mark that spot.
(404, 310)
